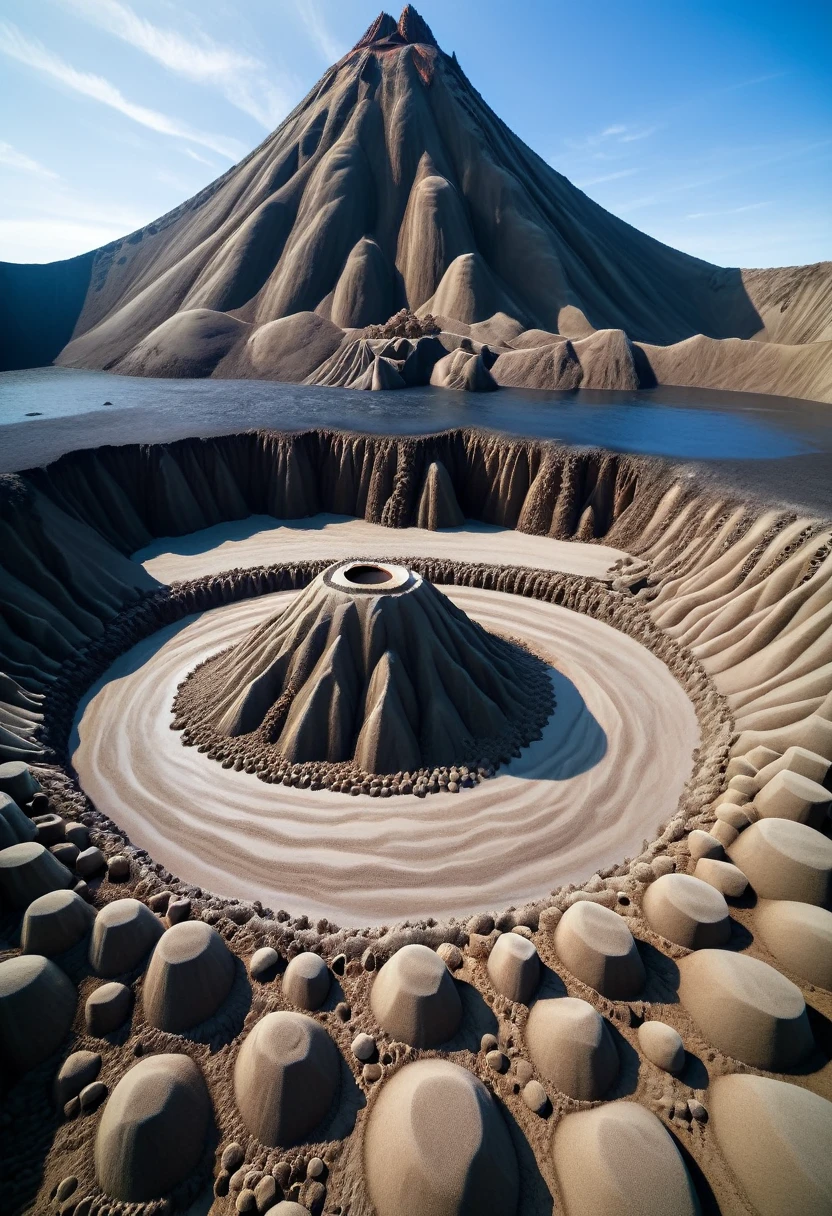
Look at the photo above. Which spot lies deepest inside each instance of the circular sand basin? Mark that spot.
(607, 772)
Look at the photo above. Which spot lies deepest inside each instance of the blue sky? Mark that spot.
(706, 124)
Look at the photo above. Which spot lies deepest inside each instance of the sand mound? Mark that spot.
(37, 1005)
(17, 782)
(570, 1043)
(514, 967)
(662, 1045)
(27, 871)
(687, 911)
(598, 947)
(153, 1130)
(415, 999)
(306, 981)
(189, 344)
(285, 1078)
(790, 795)
(125, 931)
(799, 936)
(371, 669)
(290, 348)
(553, 367)
(55, 922)
(785, 860)
(107, 1007)
(746, 1009)
(776, 1138)
(190, 975)
(438, 506)
(17, 827)
(619, 1160)
(436, 1142)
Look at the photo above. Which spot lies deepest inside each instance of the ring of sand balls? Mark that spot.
(406, 1028)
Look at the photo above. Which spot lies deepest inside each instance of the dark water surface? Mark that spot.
(48, 411)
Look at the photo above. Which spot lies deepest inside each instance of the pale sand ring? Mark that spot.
(608, 771)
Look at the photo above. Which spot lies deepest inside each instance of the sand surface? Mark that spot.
(608, 770)
(262, 540)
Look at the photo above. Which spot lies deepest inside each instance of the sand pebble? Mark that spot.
(264, 964)
(363, 1047)
(77, 1071)
(497, 1061)
(77, 834)
(451, 955)
(90, 862)
(66, 853)
(514, 967)
(535, 1097)
(723, 876)
(118, 868)
(92, 1095)
(179, 910)
(50, 829)
(662, 1045)
(371, 1072)
(598, 948)
(697, 1110)
(246, 1202)
(703, 844)
(687, 911)
(123, 934)
(66, 1187)
(232, 1156)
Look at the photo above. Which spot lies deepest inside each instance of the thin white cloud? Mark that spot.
(618, 133)
(35, 55)
(241, 78)
(630, 137)
(605, 177)
(12, 159)
(707, 215)
(315, 24)
(203, 160)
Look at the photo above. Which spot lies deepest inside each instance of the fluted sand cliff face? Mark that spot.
(681, 615)
(393, 185)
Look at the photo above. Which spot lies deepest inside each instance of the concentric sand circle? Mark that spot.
(583, 796)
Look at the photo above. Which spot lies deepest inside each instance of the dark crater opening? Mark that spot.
(367, 576)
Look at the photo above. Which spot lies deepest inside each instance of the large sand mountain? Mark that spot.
(394, 186)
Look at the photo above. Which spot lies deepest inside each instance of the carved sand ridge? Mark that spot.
(728, 599)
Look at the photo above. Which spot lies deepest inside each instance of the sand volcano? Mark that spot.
(370, 672)
(393, 186)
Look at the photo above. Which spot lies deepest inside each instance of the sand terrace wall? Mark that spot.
(748, 590)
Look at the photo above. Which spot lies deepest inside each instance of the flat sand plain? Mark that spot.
(608, 771)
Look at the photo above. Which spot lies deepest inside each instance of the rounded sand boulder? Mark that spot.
(19, 824)
(414, 998)
(785, 860)
(571, 1045)
(306, 981)
(722, 876)
(599, 949)
(746, 1008)
(776, 1138)
(662, 1045)
(190, 974)
(799, 936)
(124, 932)
(790, 795)
(514, 967)
(107, 1008)
(37, 1005)
(285, 1079)
(153, 1130)
(17, 781)
(437, 1142)
(620, 1161)
(55, 922)
(27, 871)
(687, 911)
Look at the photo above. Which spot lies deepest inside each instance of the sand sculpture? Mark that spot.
(371, 673)
(392, 188)
(283, 1052)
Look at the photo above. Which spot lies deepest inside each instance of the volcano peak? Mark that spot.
(410, 29)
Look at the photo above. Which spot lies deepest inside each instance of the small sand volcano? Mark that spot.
(372, 680)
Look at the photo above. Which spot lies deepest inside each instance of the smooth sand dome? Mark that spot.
(37, 1005)
(125, 931)
(598, 948)
(799, 936)
(571, 1045)
(776, 1138)
(618, 1160)
(370, 668)
(790, 795)
(662, 1045)
(27, 871)
(785, 860)
(55, 922)
(746, 1008)
(189, 976)
(436, 1142)
(18, 782)
(285, 1079)
(306, 981)
(687, 911)
(514, 967)
(154, 1129)
(18, 824)
(415, 999)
